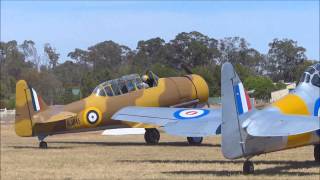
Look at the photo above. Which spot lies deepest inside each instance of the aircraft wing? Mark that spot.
(272, 123)
(175, 121)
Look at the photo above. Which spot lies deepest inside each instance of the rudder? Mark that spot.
(235, 102)
(28, 103)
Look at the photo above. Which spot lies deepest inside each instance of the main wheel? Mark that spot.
(316, 153)
(194, 140)
(152, 136)
(248, 167)
(43, 145)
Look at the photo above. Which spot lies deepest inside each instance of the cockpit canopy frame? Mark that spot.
(312, 75)
(119, 86)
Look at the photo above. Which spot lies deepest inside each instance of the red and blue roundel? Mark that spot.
(190, 113)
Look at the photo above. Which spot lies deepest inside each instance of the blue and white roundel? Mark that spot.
(190, 113)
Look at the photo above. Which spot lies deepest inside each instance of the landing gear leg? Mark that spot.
(316, 153)
(42, 144)
(152, 136)
(194, 140)
(248, 167)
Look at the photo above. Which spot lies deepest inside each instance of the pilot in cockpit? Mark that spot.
(145, 83)
(150, 78)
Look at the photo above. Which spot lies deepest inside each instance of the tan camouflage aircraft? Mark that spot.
(36, 119)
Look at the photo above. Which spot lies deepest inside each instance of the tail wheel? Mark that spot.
(317, 153)
(43, 145)
(195, 140)
(248, 167)
(152, 136)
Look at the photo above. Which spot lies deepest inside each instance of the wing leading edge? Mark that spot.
(266, 123)
(175, 121)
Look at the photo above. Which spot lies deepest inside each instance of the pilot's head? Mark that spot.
(145, 78)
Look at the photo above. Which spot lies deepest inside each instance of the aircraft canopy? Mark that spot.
(312, 75)
(122, 85)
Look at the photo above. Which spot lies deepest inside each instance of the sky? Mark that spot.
(67, 25)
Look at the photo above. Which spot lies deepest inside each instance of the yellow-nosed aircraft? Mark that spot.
(290, 122)
(35, 118)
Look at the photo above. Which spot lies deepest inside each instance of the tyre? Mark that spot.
(43, 145)
(248, 167)
(317, 153)
(152, 136)
(194, 140)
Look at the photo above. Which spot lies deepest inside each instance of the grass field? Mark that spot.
(92, 156)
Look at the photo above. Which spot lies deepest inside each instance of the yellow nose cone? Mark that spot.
(201, 87)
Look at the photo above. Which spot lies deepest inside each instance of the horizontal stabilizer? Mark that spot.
(268, 124)
(124, 131)
(54, 118)
(175, 121)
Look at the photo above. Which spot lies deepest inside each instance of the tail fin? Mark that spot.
(28, 103)
(235, 102)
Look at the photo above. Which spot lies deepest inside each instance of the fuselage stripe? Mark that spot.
(248, 101)
(317, 108)
(242, 99)
(35, 100)
(238, 100)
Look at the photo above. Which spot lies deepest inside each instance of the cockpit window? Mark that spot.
(311, 70)
(318, 67)
(316, 80)
(307, 78)
(122, 85)
(99, 91)
(154, 78)
(131, 85)
(115, 87)
(139, 83)
(108, 90)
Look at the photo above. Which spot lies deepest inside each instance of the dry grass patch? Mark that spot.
(92, 156)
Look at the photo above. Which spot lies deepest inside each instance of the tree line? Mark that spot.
(55, 78)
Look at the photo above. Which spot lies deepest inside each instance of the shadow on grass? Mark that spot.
(280, 168)
(131, 143)
(35, 147)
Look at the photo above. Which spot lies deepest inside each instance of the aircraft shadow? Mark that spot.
(281, 167)
(130, 143)
(36, 147)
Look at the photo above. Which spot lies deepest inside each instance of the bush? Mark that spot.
(209, 75)
(262, 86)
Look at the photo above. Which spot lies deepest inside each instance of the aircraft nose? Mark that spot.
(201, 87)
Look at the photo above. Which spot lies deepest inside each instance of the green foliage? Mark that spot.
(299, 69)
(284, 58)
(262, 86)
(279, 86)
(208, 74)
(52, 55)
(243, 71)
(69, 96)
(164, 71)
(108, 60)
